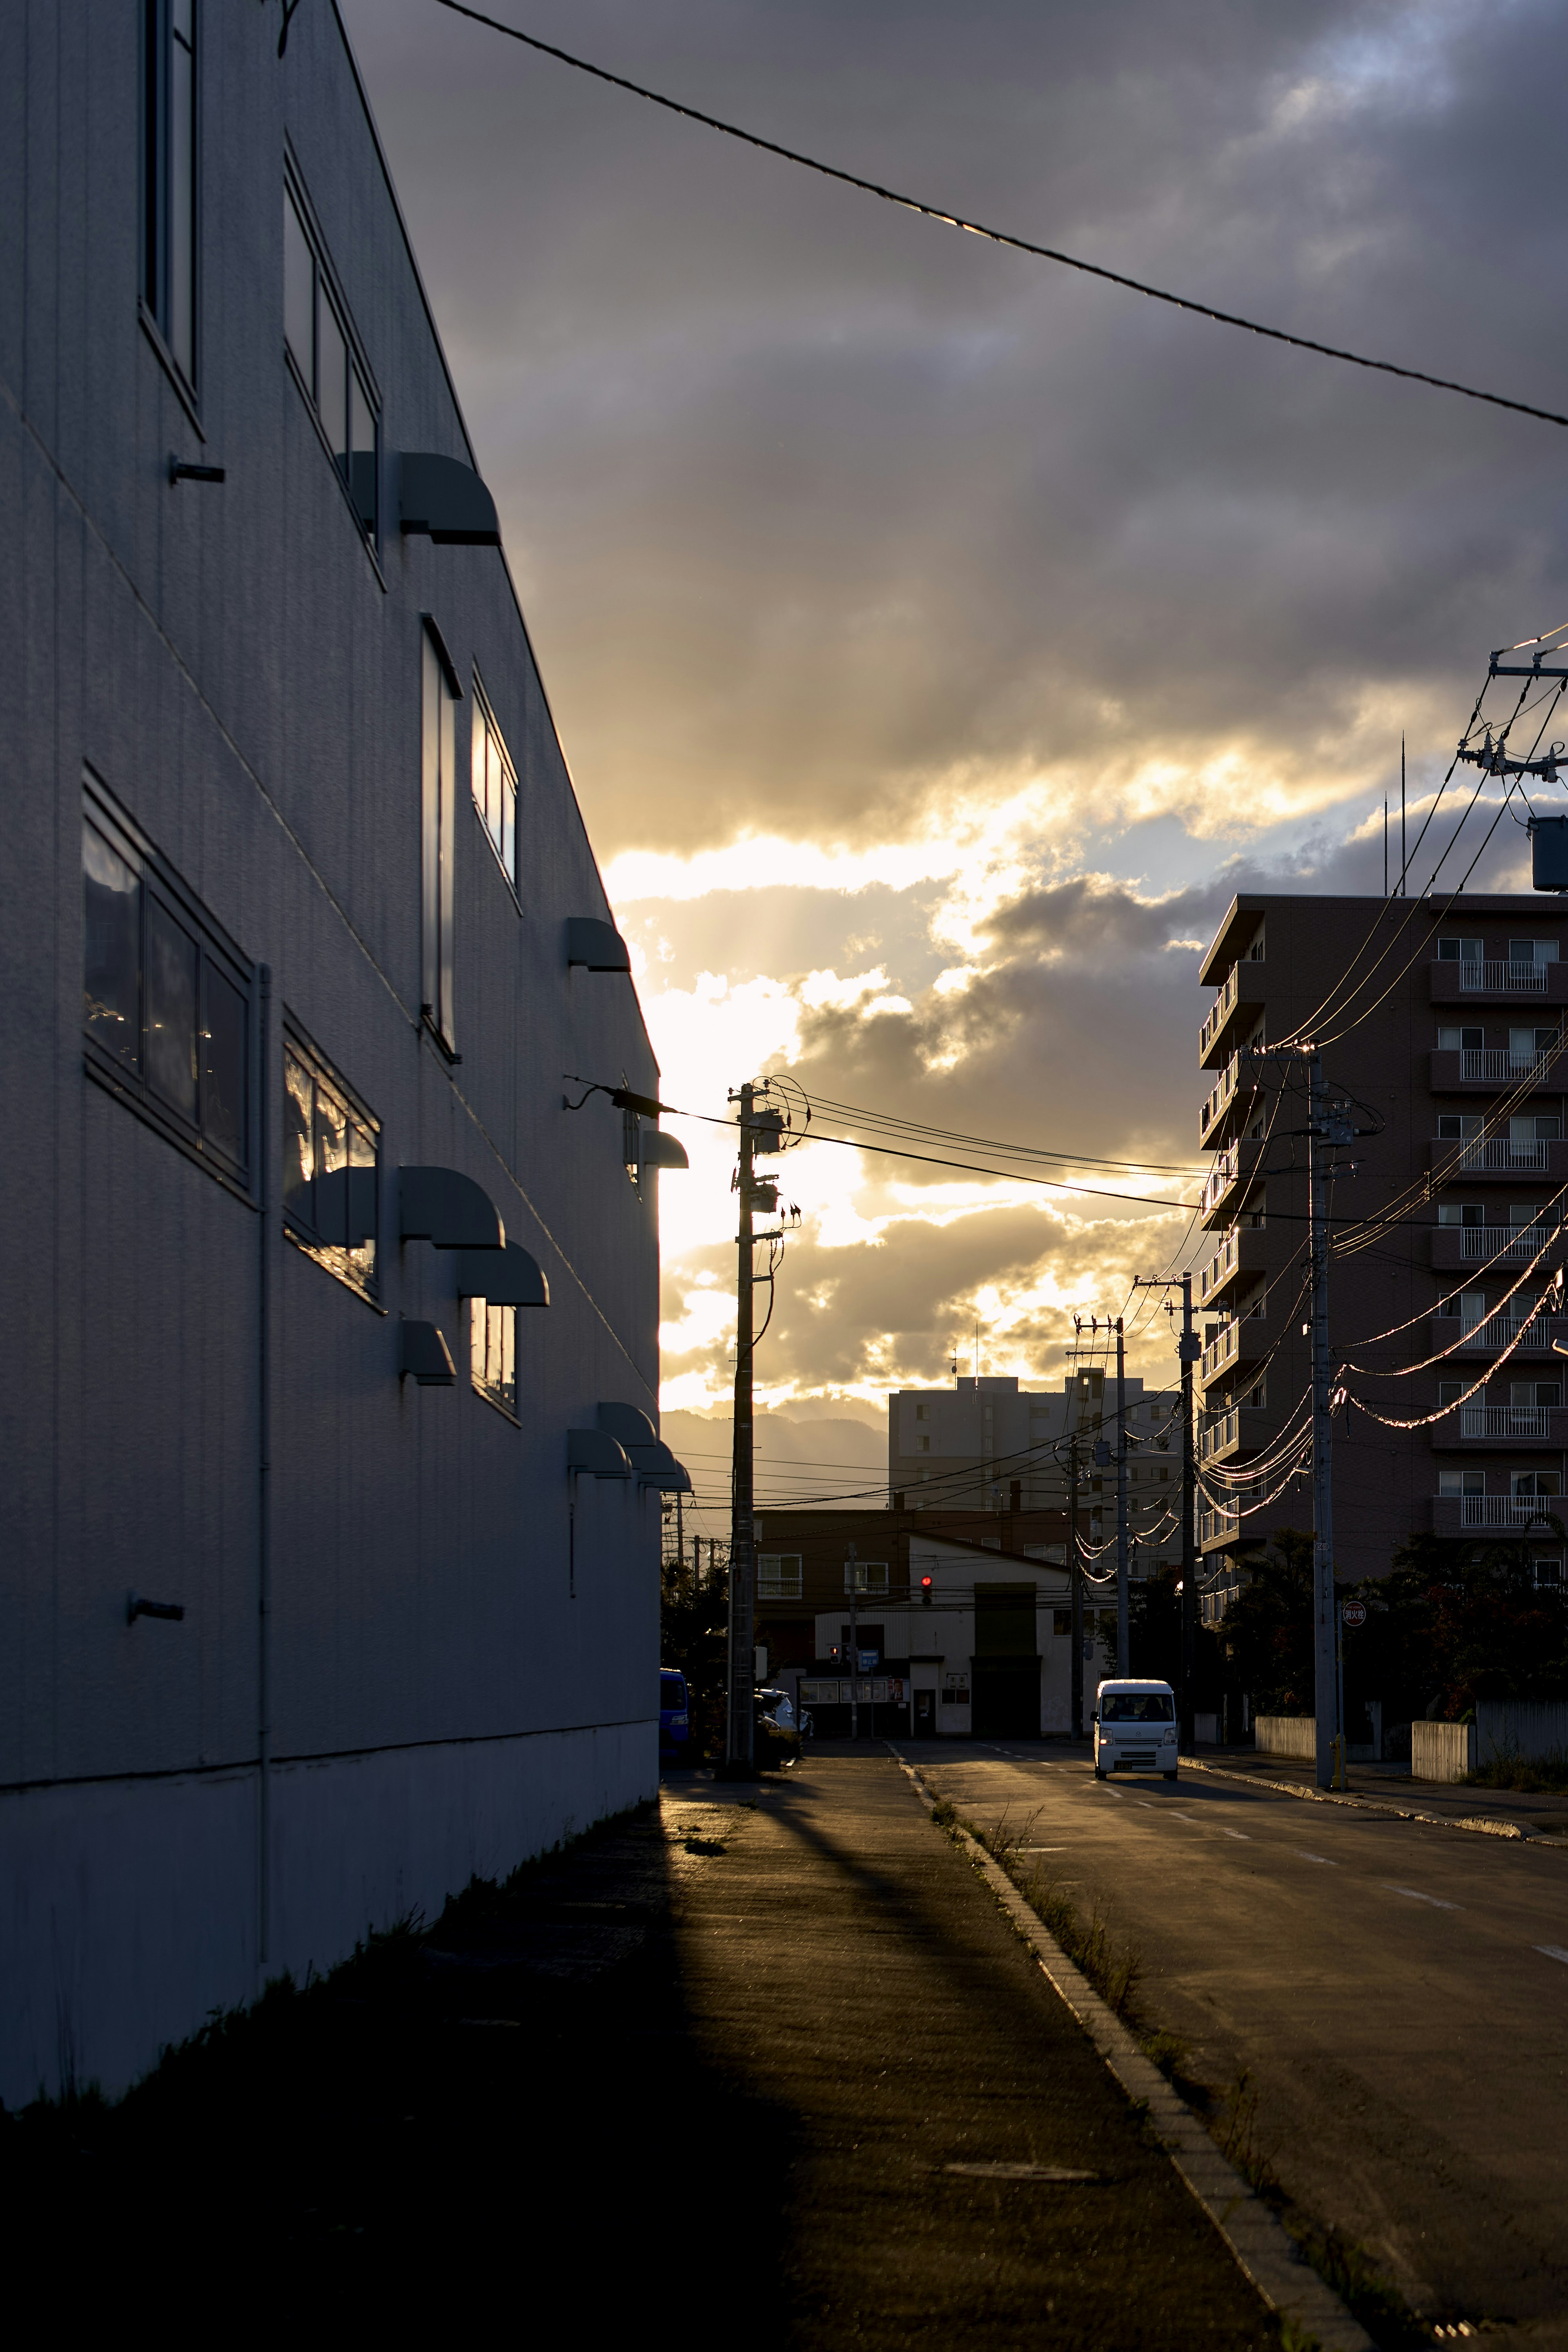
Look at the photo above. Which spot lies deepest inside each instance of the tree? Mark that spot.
(1452, 1624)
(694, 1636)
(1265, 1634)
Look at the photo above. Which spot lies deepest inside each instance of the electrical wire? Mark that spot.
(1001, 236)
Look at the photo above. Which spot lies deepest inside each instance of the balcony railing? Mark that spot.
(1219, 1434)
(1226, 1168)
(1216, 1526)
(1490, 1331)
(1523, 979)
(1229, 1347)
(1503, 1420)
(1478, 1243)
(1222, 1263)
(1502, 1510)
(1220, 1093)
(1498, 1062)
(1220, 1011)
(1501, 1156)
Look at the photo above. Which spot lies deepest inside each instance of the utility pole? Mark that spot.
(740, 1727)
(1187, 1350)
(1324, 1131)
(1075, 1589)
(850, 1562)
(1123, 1652)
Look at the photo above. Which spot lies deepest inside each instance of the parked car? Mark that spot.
(777, 1737)
(1134, 1728)
(674, 1714)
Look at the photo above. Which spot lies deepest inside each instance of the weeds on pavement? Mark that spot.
(1509, 1769)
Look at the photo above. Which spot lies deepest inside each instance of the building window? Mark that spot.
(1457, 1127)
(922, 1412)
(922, 1445)
(169, 176)
(332, 1151)
(495, 783)
(1548, 1569)
(1460, 952)
(166, 1001)
(865, 1576)
(329, 365)
(493, 1345)
(956, 1691)
(1542, 1482)
(779, 1576)
(440, 695)
(1460, 1213)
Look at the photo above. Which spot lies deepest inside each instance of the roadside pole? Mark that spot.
(1076, 1590)
(740, 1727)
(850, 1562)
(1123, 1651)
(1321, 1138)
(1187, 1349)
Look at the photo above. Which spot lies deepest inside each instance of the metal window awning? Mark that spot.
(596, 1451)
(447, 1208)
(650, 1456)
(507, 1277)
(444, 500)
(597, 945)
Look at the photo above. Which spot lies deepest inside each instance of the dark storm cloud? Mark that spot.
(815, 505)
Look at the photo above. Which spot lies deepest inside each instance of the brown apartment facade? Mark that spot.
(1441, 1023)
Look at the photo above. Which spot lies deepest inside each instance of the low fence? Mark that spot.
(1505, 1726)
(1442, 1752)
(1287, 1735)
(1502, 1728)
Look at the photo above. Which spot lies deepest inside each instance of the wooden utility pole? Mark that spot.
(740, 1727)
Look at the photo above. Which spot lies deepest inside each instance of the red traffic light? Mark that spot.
(925, 1590)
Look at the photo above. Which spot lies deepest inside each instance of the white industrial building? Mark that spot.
(331, 1574)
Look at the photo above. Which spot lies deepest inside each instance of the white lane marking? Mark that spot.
(1120, 1794)
(1302, 1855)
(1043, 1849)
(1416, 1896)
(1554, 1952)
(1235, 1833)
(1187, 1817)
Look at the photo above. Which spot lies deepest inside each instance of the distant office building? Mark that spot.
(988, 1445)
(333, 1527)
(1443, 1029)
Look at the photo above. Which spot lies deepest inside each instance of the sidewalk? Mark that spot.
(745, 2062)
(843, 1965)
(1542, 1813)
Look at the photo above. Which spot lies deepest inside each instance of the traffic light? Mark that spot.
(925, 1591)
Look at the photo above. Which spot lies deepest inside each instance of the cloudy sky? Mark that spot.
(938, 638)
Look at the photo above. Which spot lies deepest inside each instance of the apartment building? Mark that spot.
(986, 1444)
(1441, 1026)
(332, 1486)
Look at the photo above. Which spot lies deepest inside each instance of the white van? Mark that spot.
(1134, 1728)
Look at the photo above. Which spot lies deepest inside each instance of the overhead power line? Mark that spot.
(1000, 236)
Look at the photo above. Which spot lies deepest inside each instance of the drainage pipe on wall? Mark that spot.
(264, 1495)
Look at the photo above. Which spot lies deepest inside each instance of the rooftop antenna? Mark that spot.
(1403, 861)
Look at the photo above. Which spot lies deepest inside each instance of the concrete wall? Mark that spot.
(1287, 1735)
(1442, 1752)
(458, 1669)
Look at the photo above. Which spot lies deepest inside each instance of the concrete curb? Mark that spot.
(1367, 1804)
(1264, 2250)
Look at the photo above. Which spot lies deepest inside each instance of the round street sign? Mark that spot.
(1355, 1613)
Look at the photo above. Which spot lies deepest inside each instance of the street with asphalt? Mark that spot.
(1394, 1990)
